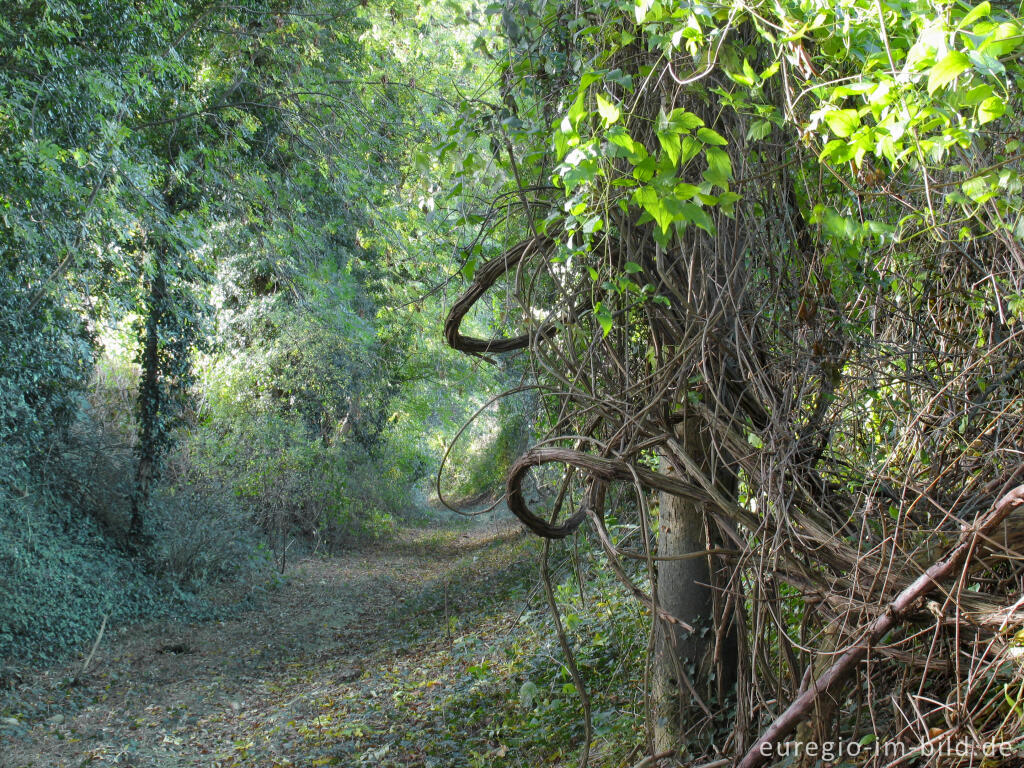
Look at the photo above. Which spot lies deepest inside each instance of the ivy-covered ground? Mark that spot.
(434, 651)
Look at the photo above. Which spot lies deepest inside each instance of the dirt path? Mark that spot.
(252, 690)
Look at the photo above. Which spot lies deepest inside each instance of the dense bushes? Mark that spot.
(294, 485)
(45, 364)
(286, 446)
(62, 570)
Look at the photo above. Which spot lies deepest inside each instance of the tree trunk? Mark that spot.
(684, 665)
(150, 410)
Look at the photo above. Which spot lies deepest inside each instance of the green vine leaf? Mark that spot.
(990, 109)
(843, 122)
(719, 169)
(608, 111)
(947, 70)
(603, 317)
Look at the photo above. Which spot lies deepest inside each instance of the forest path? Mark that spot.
(294, 681)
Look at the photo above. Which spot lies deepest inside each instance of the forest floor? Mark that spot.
(353, 659)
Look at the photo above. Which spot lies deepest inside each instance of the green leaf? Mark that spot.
(976, 13)
(608, 111)
(685, 191)
(618, 136)
(946, 70)
(644, 170)
(1000, 39)
(843, 122)
(759, 129)
(679, 120)
(977, 95)
(528, 693)
(632, 268)
(689, 149)
(837, 150)
(652, 203)
(691, 213)
(719, 167)
(577, 111)
(980, 189)
(603, 317)
(709, 136)
(669, 141)
(990, 109)
(748, 71)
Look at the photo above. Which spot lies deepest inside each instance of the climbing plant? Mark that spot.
(766, 261)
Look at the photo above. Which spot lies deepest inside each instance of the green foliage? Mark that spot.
(55, 585)
(63, 566)
(236, 199)
(512, 700)
(203, 536)
(479, 463)
(798, 224)
(298, 428)
(60, 574)
(47, 356)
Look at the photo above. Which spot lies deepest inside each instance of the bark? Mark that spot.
(685, 673)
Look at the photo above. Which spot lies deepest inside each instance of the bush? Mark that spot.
(59, 575)
(63, 566)
(479, 464)
(321, 487)
(202, 536)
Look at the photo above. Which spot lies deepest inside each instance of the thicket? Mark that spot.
(766, 261)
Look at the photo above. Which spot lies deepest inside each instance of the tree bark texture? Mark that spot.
(686, 674)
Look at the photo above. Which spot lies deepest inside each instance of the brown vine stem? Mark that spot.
(797, 711)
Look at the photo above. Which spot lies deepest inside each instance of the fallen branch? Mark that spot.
(797, 711)
(654, 759)
(95, 645)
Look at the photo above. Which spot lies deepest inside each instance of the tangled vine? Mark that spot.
(827, 363)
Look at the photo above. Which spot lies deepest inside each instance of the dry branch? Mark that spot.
(485, 276)
(608, 470)
(799, 709)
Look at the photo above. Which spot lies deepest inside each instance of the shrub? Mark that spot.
(62, 563)
(322, 488)
(202, 536)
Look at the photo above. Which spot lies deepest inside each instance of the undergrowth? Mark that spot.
(477, 677)
(65, 563)
(60, 577)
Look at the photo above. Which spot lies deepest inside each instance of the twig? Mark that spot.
(95, 645)
(786, 722)
(653, 759)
